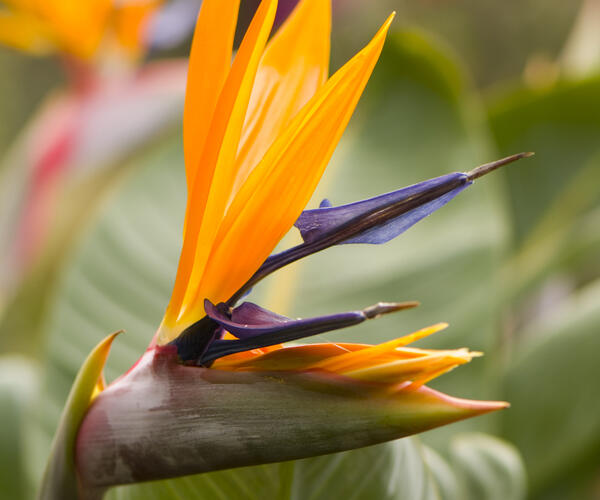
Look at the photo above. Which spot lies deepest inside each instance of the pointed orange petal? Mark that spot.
(129, 20)
(79, 25)
(417, 369)
(210, 60)
(294, 65)
(300, 357)
(365, 357)
(24, 32)
(279, 188)
(223, 139)
(210, 191)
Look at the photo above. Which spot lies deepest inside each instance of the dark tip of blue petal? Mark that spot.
(486, 168)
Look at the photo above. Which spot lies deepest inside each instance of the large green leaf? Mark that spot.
(564, 239)
(489, 467)
(552, 385)
(479, 466)
(18, 387)
(561, 124)
(17, 100)
(555, 209)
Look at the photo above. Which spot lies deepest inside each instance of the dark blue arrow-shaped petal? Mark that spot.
(314, 224)
(374, 221)
(256, 327)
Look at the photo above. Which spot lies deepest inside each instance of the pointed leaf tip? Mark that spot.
(60, 477)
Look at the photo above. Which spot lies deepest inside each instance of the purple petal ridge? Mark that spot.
(315, 223)
(374, 221)
(249, 320)
(251, 314)
(256, 327)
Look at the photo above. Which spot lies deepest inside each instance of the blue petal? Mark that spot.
(313, 224)
(375, 221)
(256, 327)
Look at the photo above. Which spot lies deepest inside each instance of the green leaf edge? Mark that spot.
(60, 477)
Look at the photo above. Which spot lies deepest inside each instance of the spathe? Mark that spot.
(164, 419)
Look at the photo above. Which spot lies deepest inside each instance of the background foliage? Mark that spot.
(511, 264)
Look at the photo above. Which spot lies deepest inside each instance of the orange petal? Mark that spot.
(210, 60)
(129, 21)
(301, 357)
(279, 188)
(293, 67)
(79, 25)
(24, 32)
(417, 369)
(366, 357)
(211, 189)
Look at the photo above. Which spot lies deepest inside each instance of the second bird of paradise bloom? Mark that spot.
(217, 387)
(75, 28)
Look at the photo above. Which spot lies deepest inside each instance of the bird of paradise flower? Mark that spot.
(217, 388)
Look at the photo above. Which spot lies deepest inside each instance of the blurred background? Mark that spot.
(91, 207)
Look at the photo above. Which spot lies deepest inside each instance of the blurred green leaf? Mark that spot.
(18, 387)
(555, 213)
(447, 482)
(480, 467)
(17, 100)
(552, 386)
(488, 467)
(561, 124)
(97, 133)
(564, 238)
